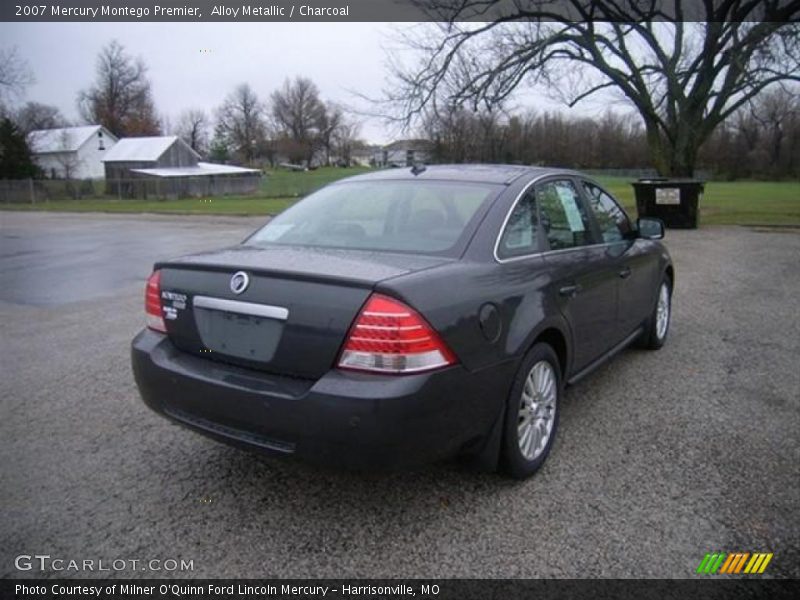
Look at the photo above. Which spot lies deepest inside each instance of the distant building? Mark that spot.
(363, 157)
(404, 153)
(72, 152)
(166, 166)
(148, 153)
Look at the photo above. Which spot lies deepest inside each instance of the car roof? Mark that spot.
(477, 173)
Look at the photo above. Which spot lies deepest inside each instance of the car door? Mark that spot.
(635, 267)
(583, 275)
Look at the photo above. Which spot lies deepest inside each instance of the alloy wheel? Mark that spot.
(537, 410)
(662, 312)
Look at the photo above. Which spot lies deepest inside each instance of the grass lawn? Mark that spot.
(281, 183)
(277, 191)
(724, 203)
(732, 202)
(229, 205)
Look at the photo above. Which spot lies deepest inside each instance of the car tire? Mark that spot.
(657, 328)
(532, 413)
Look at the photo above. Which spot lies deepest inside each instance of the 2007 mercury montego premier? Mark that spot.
(404, 316)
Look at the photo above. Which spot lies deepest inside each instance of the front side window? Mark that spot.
(611, 219)
(424, 217)
(562, 214)
(519, 237)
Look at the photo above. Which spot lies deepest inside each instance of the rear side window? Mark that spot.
(424, 217)
(562, 214)
(519, 237)
(611, 219)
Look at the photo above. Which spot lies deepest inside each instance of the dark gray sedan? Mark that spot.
(406, 316)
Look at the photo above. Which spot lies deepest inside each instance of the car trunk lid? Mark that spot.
(294, 313)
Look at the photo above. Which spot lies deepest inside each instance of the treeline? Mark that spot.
(552, 139)
(294, 123)
(759, 141)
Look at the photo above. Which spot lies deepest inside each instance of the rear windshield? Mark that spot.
(422, 217)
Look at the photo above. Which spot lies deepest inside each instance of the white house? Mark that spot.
(403, 153)
(72, 152)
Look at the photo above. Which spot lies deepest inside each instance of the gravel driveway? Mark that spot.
(661, 456)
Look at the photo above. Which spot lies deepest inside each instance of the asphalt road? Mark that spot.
(661, 456)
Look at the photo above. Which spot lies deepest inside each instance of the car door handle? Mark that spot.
(625, 272)
(570, 291)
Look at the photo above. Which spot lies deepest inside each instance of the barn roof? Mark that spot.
(202, 168)
(142, 148)
(63, 139)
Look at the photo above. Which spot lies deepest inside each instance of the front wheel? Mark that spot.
(532, 413)
(658, 324)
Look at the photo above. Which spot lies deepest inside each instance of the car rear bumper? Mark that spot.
(346, 419)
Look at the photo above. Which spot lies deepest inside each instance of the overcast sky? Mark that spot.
(337, 57)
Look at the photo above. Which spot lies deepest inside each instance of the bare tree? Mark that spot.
(35, 115)
(270, 144)
(762, 140)
(746, 140)
(15, 74)
(301, 117)
(452, 130)
(683, 78)
(460, 135)
(219, 149)
(345, 139)
(773, 111)
(121, 98)
(193, 128)
(240, 121)
(330, 121)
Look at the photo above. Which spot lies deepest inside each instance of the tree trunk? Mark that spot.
(673, 156)
(658, 151)
(682, 161)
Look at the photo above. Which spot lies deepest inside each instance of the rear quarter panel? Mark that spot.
(451, 298)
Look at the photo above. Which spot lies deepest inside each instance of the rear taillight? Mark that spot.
(152, 303)
(391, 337)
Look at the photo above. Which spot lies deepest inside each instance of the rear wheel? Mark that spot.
(532, 413)
(658, 324)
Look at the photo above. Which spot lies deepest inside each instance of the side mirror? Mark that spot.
(650, 228)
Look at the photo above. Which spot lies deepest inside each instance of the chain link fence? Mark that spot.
(277, 184)
(34, 191)
(638, 173)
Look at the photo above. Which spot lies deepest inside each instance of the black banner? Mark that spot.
(419, 589)
(379, 10)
